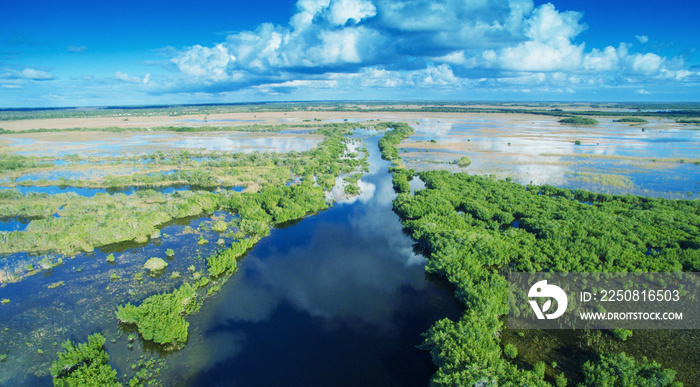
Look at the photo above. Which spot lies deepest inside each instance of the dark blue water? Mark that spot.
(337, 299)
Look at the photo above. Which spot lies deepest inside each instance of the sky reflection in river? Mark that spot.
(337, 293)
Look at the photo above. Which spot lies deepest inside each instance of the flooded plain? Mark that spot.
(107, 144)
(660, 158)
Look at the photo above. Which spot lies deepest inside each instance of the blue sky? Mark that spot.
(87, 53)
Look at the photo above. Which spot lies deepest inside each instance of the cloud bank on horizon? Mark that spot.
(346, 49)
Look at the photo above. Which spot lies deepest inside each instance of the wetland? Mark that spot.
(322, 247)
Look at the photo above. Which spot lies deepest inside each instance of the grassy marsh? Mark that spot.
(124, 230)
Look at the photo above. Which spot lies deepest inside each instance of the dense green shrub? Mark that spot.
(388, 142)
(636, 120)
(463, 161)
(622, 334)
(620, 370)
(225, 261)
(579, 121)
(510, 351)
(401, 179)
(464, 224)
(351, 189)
(84, 364)
(159, 318)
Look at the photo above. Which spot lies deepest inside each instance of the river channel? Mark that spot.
(338, 298)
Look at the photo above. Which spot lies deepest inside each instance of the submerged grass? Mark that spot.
(620, 157)
(608, 180)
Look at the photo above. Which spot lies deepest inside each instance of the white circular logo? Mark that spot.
(542, 290)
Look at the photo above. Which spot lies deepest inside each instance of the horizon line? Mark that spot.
(387, 101)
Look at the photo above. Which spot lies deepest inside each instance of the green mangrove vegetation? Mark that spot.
(84, 364)
(465, 225)
(579, 121)
(634, 120)
(160, 318)
(474, 229)
(225, 261)
(463, 161)
(620, 370)
(401, 179)
(388, 142)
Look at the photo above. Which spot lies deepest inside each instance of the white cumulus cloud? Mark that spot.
(342, 11)
(550, 47)
(646, 64)
(418, 43)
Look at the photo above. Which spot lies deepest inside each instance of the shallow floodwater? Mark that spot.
(650, 159)
(217, 122)
(104, 144)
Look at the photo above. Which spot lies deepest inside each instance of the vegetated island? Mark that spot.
(463, 161)
(633, 120)
(579, 121)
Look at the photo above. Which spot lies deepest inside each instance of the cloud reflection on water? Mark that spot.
(348, 268)
(544, 152)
